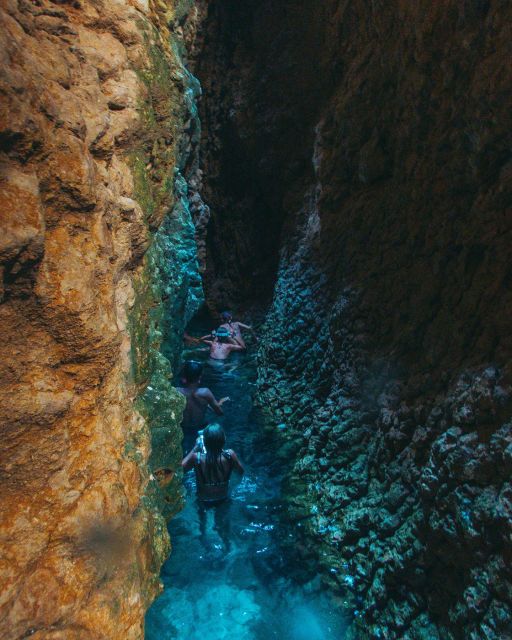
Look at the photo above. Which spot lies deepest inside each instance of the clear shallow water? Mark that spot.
(233, 571)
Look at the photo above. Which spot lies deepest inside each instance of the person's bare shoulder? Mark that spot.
(238, 465)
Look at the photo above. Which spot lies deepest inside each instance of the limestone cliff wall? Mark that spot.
(96, 250)
(374, 143)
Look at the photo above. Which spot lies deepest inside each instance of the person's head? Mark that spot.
(226, 316)
(222, 334)
(191, 372)
(214, 440)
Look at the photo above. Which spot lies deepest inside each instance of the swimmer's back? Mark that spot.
(195, 409)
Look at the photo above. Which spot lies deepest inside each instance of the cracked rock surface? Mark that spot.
(93, 183)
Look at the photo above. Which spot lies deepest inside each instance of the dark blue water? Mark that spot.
(234, 571)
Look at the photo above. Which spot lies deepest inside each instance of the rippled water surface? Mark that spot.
(233, 571)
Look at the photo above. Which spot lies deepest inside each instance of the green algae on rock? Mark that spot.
(169, 291)
(95, 105)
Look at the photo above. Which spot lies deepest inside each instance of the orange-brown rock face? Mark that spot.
(88, 138)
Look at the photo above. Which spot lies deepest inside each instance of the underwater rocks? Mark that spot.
(95, 97)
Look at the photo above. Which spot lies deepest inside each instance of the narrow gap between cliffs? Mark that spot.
(241, 570)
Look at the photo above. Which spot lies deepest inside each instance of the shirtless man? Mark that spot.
(198, 398)
(222, 344)
(235, 328)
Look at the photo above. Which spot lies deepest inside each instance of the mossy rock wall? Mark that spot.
(169, 291)
(97, 275)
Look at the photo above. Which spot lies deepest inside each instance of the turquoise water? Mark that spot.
(235, 570)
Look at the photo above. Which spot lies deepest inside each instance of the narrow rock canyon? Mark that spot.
(339, 171)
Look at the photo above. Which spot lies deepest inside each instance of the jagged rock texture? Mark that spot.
(94, 159)
(375, 137)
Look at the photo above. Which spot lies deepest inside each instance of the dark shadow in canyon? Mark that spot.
(356, 161)
(263, 84)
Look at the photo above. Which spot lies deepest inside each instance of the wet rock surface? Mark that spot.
(403, 509)
(386, 355)
(93, 170)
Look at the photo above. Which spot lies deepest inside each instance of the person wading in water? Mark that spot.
(213, 470)
(235, 328)
(199, 399)
(222, 344)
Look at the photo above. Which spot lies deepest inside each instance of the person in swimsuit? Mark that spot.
(213, 467)
(221, 344)
(235, 328)
(199, 399)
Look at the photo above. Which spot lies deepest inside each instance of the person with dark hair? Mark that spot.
(198, 398)
(235, 328)
(213, 466)
(221, 344)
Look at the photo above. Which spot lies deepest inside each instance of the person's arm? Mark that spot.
(208, 335)
(237, 465)
(210, 342)
(236, 347)
(249, 328)
(237, 340)
(189, 460)
(212, 402)
(188, 339)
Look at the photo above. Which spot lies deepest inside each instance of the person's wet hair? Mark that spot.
(214, 441)
(191, 372)
(226, 316)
